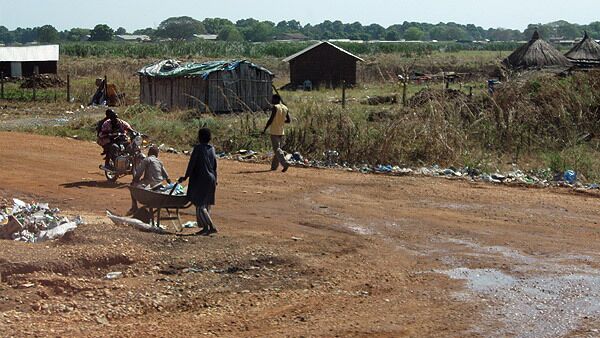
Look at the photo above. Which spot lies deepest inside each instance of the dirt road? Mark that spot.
(306, 253)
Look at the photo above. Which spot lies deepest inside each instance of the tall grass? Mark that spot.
(221, 49)
(541, 119)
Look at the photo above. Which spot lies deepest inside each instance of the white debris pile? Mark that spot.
(34, 222)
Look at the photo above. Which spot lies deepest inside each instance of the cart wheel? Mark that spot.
(111, 177)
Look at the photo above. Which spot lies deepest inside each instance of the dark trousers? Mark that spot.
(203, 217)
(278, 156)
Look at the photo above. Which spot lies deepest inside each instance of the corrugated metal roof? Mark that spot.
(133, 37)
(291, 57)
(206, 36)
(29, 53)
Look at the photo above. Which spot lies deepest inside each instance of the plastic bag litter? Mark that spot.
(136, 223)
(114, 275)
(570, 176)
(331, 159)
(34, 222)
(57, 232)
(190, 225)
(180, 190)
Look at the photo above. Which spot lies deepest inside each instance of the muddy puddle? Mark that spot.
(534, 297)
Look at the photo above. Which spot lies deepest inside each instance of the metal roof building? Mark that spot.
(133, 38)
(25, 61)
(323, 64)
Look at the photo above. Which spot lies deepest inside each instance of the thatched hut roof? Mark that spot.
(586, 51)
(537, 53)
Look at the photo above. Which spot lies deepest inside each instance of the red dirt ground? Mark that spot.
(305, 253)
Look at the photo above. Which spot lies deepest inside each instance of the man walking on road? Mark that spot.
(279, 117)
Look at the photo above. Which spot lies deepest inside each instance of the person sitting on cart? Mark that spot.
(149, 174)
(111, 127)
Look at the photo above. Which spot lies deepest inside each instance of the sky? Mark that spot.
(516, 14)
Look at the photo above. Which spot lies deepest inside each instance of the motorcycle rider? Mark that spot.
(99, 125)
(109, 132)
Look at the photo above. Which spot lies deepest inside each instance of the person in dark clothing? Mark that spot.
(202, 172)
(99, 97)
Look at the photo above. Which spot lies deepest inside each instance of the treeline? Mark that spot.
(252, 30)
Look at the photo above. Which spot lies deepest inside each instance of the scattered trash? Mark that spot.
(377, 100)
(331, 156)
(57, 232)
(247, 154)
(114, 275)
(134, 223)
(34, 222)
(180, 190)
(190, 225)
(331, 160)
(297, 157)
(570, 176)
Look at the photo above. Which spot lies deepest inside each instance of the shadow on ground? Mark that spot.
(94, 184)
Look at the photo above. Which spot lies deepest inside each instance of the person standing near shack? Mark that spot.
(280, 115)
(202, 172)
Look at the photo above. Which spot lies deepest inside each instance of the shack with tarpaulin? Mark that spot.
(214, 86)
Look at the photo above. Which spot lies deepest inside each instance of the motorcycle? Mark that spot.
(124, 155)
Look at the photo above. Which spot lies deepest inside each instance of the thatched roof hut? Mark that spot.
(586, 53)
(537, 53)
(214, 86)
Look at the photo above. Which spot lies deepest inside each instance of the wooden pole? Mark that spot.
(277, 92)
(68, 88)
(106, 89)
(344, 94)
(404, 85)
(36, 70)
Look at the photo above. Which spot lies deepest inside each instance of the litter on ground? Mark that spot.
(33, 223)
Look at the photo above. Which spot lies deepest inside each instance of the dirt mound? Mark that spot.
(426, 95)
(43, 81)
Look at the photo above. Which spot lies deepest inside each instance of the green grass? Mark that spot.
(12, 91)
(221, 49)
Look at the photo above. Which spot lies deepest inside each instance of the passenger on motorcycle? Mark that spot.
(112, 129)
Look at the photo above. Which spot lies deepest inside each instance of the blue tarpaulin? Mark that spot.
(173, 68)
